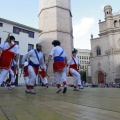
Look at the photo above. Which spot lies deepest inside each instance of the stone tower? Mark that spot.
(108, 16)
(55, 21)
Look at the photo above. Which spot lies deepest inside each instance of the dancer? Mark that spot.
(8, 50)
(35, 60)
(59, 65)
(74, 65)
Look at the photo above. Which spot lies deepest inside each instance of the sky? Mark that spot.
(86, 15)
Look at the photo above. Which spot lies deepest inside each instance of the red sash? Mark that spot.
(74, 66)
(35, 70)
(26, 71)
(42, 73)
(58, 66)
(6, 58)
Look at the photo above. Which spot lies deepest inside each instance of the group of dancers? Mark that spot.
(33, 64)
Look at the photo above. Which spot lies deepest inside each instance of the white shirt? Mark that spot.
(32, 57)
(71, 62)
(56, 51)
(6, 45)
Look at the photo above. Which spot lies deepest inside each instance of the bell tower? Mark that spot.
(55, 21)
(108, 16)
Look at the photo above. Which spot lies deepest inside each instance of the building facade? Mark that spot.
(26, 37)
(84, 58)
(105, 50)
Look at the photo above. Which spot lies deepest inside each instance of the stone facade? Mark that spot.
(105, 50)
(55, 21)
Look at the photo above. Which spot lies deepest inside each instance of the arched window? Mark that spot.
(115, 23)
(98, 51)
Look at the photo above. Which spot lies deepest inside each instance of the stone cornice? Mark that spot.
(109, 31)
(54, 7)
(56, 31)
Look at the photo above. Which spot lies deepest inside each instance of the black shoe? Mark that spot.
(65, 89)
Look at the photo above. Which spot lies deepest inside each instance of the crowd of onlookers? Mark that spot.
(103, 85)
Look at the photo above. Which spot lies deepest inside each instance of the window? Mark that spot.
(17, 30)
(115, 23)
(31, 34)
(1, 24)
(30, 47)
(98, 51)
(0, 40)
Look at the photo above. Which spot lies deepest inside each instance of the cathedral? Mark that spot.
(105, 50)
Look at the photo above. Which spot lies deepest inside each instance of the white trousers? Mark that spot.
(32, 76)
(44, 80)
(26, 80)
(76, 76)
(60, 76)
(13, 77)
(3, 75)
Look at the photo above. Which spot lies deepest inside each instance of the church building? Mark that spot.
(105, 50)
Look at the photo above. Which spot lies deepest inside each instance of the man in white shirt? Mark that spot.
(35, 60)
(73, 63)
(8, 50)
(59, 65)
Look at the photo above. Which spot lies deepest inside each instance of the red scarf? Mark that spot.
(74, 66)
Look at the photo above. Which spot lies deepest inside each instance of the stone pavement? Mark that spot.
(86, 104)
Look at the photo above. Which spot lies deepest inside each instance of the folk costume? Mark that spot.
(59, 67)
(9, 50)
(35, 60)
(73, 63)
